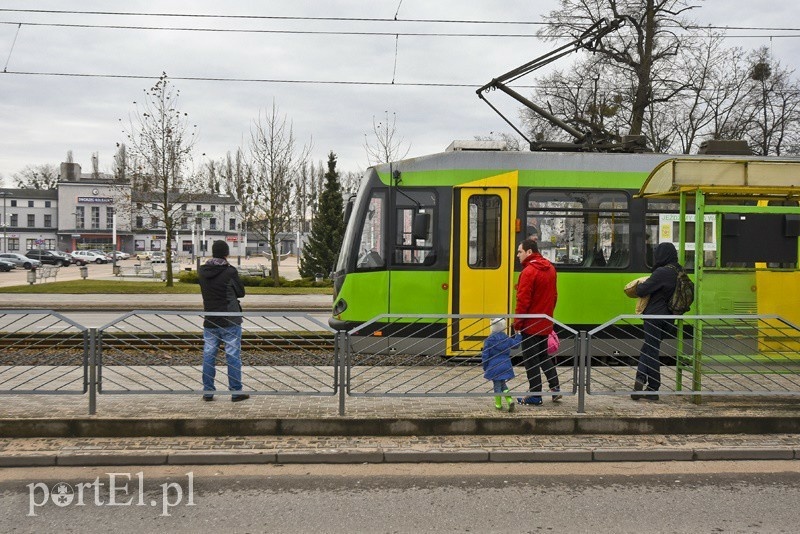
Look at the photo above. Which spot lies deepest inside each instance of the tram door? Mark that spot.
(481, 263)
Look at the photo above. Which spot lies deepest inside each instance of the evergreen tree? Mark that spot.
(327, 227)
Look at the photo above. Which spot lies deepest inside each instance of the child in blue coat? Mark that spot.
(496, 358)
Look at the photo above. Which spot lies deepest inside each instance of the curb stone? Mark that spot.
(376, 456)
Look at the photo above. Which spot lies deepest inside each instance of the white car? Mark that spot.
(120, 255)
(90, 256)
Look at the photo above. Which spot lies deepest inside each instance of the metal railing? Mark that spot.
(42, 352)
(161, 352)
(699, 355)
(440, 355)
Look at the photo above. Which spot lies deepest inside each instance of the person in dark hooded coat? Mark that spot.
(659, 287)
(221, 289)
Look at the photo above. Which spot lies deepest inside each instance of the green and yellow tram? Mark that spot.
(437, 235)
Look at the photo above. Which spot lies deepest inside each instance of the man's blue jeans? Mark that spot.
(232, 337)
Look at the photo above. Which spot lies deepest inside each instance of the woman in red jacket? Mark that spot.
(536, 294)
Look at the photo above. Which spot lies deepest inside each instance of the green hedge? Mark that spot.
(190, 277)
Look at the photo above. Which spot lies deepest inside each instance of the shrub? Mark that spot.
(189, 277)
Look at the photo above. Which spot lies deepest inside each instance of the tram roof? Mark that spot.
(731, 177)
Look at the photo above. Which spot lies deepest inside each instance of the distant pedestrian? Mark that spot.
(496, 359)
(659, 288)
(536, 294)
(221, 289)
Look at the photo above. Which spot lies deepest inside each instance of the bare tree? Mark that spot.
(777, 103)
(120, 170)
(160, 141)
(277, 160)
(239, 180)
(642, 49)
(37, 177)
(385, 145)
(350, 182)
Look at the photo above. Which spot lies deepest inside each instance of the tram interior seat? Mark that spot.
(370, 260)
(618, 257)
(595, 258)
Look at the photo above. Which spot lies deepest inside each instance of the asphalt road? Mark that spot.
(652, 497)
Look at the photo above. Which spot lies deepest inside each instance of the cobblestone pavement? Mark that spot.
(156, 406)
(20, 452)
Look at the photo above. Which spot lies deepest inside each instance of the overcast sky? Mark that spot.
(44, 116)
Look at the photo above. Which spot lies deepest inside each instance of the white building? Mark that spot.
(88, 211)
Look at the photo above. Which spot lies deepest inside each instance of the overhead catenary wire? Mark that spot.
(5, 67)
(353, 32)
(353, 19)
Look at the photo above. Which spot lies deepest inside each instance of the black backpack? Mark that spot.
(683, 296)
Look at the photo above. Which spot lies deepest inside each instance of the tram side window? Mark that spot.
(581, 228)
(371, 242)
(414, 218)
(662, 224)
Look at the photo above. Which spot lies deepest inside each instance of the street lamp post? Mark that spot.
(114, 242)
(5, 226)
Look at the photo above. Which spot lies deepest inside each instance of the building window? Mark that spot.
(80, 217)
(13, 203)
(183, 207)
(13, 244)
(154, 206)
(109, 217)
(139, 222)
(30, 243)
(232, 224)
(139, 206)
(47, 204)
(213, 207)
(30, 203)
(14, 220)
(199, 207)
(232, 208)
(31, 220)
(212, 223)
(154, 223)
(95, 217)
(48, 221)
(184, 222)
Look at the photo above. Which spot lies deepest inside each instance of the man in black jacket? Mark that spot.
(660, 287)
(221, 289)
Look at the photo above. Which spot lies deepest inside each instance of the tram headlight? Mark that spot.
(339, 307)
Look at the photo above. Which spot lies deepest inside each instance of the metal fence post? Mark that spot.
(92, 371)
(341, 359)
(583, 357)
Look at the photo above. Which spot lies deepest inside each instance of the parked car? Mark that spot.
(77, 260)
(90, 256)
(158, 257)
(108, 255)
(143, 255)
(120, 255)
(19, 260)
(49, 257)
(6, 266)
